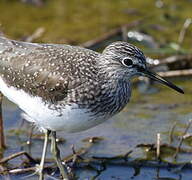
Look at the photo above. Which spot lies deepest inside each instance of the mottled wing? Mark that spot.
(48, 71)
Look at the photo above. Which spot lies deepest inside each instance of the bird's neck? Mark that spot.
(117, 93)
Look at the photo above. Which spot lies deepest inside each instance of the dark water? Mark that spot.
(144, 117)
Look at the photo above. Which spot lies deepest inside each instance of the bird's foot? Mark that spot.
(38, 172)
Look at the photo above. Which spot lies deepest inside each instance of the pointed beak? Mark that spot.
(158, 78)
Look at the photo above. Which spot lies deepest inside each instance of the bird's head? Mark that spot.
(124, 60)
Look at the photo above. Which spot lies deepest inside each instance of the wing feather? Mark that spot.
(46, 70)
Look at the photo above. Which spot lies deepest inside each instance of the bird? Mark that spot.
(69, 88)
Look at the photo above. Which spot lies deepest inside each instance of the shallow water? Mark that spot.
(144, 117)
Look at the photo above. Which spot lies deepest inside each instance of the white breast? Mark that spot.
(70, 119)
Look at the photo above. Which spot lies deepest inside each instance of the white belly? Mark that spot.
(70, 119)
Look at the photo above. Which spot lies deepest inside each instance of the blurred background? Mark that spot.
(163, 30)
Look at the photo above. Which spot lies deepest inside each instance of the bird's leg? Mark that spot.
(40, 168)
(56, 154)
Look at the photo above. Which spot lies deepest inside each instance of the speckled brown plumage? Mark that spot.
(68, 88)
(44, 70)
(62, 74)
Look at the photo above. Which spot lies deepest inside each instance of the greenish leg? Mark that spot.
(40, 168)
(56, 154)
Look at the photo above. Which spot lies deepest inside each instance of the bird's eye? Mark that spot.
(127, 62)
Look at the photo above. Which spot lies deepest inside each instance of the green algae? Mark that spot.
(169, 96)
(63, 20)
(183, 110)
(143, 115)
(16, 132)
(76, 22)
